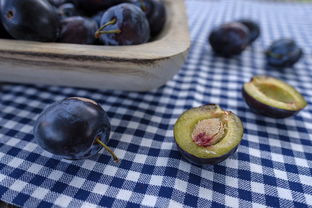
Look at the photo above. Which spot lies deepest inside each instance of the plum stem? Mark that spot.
(107, 149)
(99, 33)
(101, 30)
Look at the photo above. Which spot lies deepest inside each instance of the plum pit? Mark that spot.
(208, 132)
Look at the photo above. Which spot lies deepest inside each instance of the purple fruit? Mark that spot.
(3, 32)
(58, 3)
(74, 128)
(207, 134)
(229, 39)
(67, 10)
(98, 17)
(78, 30)
(155, 12)
(91, 7)
(35, 20)
(283, 53)
(124, 24)
(272, 97)
(253, 27)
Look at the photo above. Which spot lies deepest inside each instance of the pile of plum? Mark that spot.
(108, 22)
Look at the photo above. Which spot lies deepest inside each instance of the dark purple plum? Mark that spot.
(35, 20)
(253, 27)
(229, 39)
(207, 135)
(155, 12)
(124, 24)
(283, 53)
(272, 97)
(79, 30)
(68, 10)
(74, 128)
(98, 17)
(91, 7)
(3, 32)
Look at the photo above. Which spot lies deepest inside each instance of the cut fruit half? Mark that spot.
(272, 97)
(207, 134)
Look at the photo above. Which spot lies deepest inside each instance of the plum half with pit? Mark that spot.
(272, 97)
(124, 24)
(35, 20)
(74, 128)
(207, 135)
(283, 53)
(229, 39)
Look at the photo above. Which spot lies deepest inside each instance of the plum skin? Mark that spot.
(264, 109)
(42, 25)
(253, 27)
(67, 10)
(3, 32)
(229, 39)
(79, 30)
(131, 33)
(205, 161)
(69, 128)
(91, 7)
(155, 12)
(158, 18)
(283, 53)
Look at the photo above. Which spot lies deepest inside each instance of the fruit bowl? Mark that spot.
(134, 68)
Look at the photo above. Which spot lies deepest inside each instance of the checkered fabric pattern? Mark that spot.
(273, 164)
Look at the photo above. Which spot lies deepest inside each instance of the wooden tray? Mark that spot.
(135, 68)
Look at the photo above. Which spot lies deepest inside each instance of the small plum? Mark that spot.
(124, 24)
(42, 25)
(283, 53)
(229, 39)
(73, 128)
(79, 30)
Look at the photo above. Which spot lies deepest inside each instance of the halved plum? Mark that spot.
(207, 135)
(272, 97)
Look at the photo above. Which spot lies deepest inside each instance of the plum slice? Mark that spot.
(207, 135)
(272, 97)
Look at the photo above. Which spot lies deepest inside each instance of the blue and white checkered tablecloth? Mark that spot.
(273, 164)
